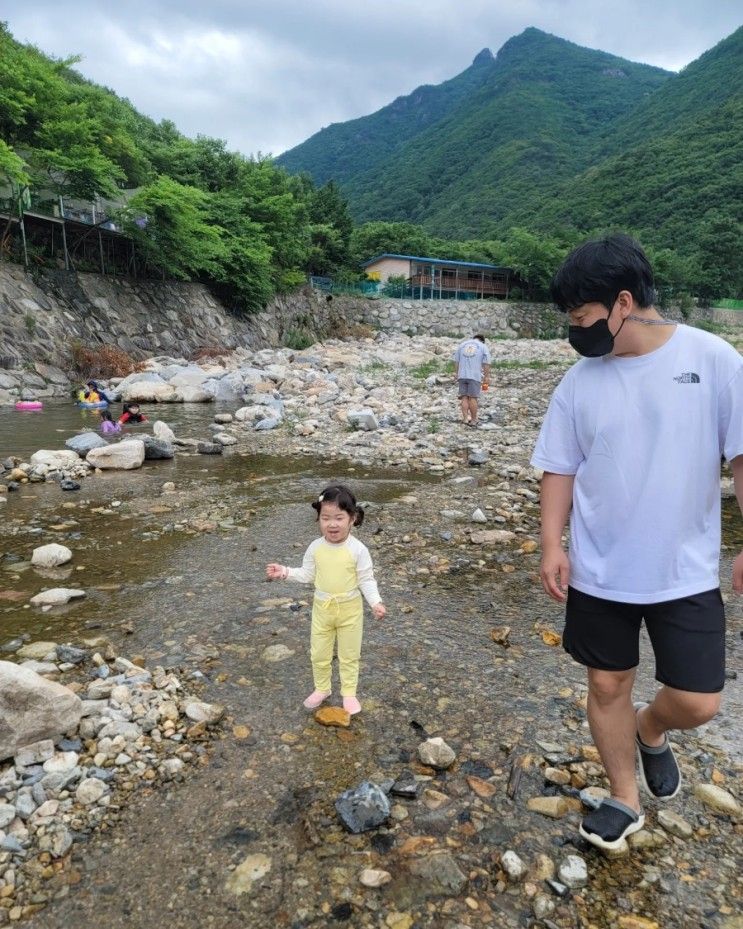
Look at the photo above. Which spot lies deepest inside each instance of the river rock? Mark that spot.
(477, 457)
(441, 872)
(224, 439)
(60, 460)
(209, 448)
(554, 807)
(70, 654)
(223, 417)
(7, 814)
(57, 596)
(372, 877)
(247, 873)
(333, 716)
(83, 443)
(204, 712)
(491, 536)
(274, 653)
(717, 799)
(90, 791)
(436, 753)
(150, 392)
(363, 419)
(163, 432)
(675, 824)
(38, 651)
(33, 709)
(513, 865)
(50, 556)
(35, 753)
(478, 517)
(363, 807)
(269, 422)
(123, 456)
(156, 449)
(573, 872)
(192, 393)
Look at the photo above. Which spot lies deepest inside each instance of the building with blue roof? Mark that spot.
(441, 277)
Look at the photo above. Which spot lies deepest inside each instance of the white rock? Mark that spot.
(436, 753)
(276, 653)
(204, 712)
(90, 791)
(363, 419)
(61, 762)
(163, 432)
(513, 865)
(57, 596)
(247, 873)
(573, 872)
(718, 799)
(57, 460)
(122, 456)
(50, 556)
(36, 753)
(478, 516)
(372, 877)
(150, 392)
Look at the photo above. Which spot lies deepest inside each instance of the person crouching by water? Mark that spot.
(131, 414)
(341, 569)
(108, 426)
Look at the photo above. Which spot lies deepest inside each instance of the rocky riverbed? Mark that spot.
(469, 654)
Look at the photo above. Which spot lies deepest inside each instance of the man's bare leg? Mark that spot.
(473, 409)
(674, 709)
(611, 717)
(465, 408)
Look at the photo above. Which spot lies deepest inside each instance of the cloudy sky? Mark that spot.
(266, 74)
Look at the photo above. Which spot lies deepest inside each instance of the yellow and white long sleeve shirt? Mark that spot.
(338, 570)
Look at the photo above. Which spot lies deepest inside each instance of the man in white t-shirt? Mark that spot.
(630, 448)
(472, 359)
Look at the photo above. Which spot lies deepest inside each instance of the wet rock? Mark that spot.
(573, 872)
(83, 443)
(371, 877)
(269, 422)
(363, 807)
(717, 799)
(442, 872)
(333, 716)
(68, 484)
(38, 651)
(275, 653)
(50, 556)
(69, 654)
(156, 449)
(163, 432)
(478, 516)
(436, 753)
(492, 536)
(554, 807)
(513, 865)
(406, 786)
(675, 824)
(56, 596)
(477, 457)
(500, 635)
(223, 417)
(122, 456)
(209, 448)
(90, 791)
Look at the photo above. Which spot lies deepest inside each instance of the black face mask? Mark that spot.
(595, 340)
(592, 341)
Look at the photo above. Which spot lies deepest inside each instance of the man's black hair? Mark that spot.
(598, 270)
(480, 337)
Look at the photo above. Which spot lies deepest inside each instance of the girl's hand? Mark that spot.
(275, 572)
(380, 610)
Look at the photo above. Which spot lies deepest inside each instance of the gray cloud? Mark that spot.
(266, 76)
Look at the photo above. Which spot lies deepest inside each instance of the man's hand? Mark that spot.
(738, 574)
(555, 573)
(379, 610)
(275, 572)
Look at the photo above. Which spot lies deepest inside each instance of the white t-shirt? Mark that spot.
(644, 437)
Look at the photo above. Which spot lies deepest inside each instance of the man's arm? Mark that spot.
(556, 502)
(486, 373)
(737, 467)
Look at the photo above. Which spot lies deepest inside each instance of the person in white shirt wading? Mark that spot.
(630, 448)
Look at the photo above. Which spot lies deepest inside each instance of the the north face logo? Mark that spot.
(688, 377)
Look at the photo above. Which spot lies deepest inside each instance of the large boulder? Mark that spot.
(194, 393)
(163, 432)
(155, 449)
(33, 708)
(139, 377)
(189, 377)
(227, 388)
(55, 460)
(150, 392)
(363, 419)
(81, 444)
(123, 456)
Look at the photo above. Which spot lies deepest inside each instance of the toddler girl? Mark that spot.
(341, 569)
(108, 426)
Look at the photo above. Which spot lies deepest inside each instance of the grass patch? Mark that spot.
(534, 365)
(434, 366)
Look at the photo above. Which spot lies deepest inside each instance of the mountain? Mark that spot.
(457, 157)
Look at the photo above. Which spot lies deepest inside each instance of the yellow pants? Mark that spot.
(344, 619)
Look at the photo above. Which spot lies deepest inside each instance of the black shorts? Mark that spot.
(469, 388)
(688, 637)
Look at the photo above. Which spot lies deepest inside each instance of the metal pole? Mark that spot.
(23, 230)
(100, 250)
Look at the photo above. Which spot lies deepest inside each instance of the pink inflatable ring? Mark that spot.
(29, 405)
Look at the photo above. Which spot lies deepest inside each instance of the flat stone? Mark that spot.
(333, 716)
(50, 556)
(554, 807)
(573, 872)
(274, 653)
(249, 872)
(372, 877)
(717, 799)
(436, 753)
(37, 651)
(363, 807)
(675, 824)
(57, 596)
(492, 536)
(200, 712)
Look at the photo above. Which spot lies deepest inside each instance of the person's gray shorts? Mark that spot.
(469, 388)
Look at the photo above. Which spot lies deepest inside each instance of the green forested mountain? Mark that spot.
(536, 117)
(559, 142)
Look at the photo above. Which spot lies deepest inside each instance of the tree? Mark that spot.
(534, 258)
(397, 238)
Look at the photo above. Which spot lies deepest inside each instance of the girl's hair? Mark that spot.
(106, 414)
(342, 497)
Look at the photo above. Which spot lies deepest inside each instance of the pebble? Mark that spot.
(436, 753)
(675, 824)
(274, 653)
(371, 877)
(513, 865)
(554, 807)
(573, 872)
(333, 716)
(718, 799)
(363, 807)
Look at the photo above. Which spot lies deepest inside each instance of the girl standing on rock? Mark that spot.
(341, 569)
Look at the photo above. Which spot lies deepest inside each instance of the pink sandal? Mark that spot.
(351, 705)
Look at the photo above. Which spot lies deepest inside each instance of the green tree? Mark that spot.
(397, 238)
(534, 258)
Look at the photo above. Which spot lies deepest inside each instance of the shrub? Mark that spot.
(299, 339)
(102, 361)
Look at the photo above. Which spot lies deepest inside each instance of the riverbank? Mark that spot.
(175, 575)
